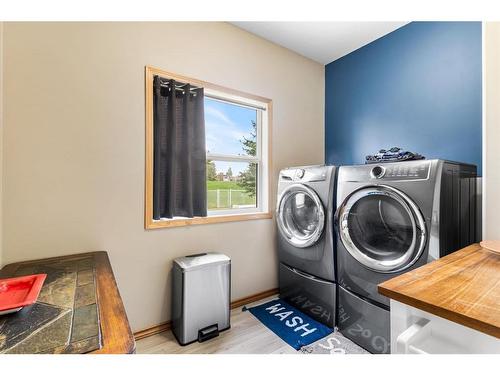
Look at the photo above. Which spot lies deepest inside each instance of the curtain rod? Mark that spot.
(178, 86)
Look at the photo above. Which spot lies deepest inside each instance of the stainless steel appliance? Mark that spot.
(200, 296)
(305, 240)
(391, 218)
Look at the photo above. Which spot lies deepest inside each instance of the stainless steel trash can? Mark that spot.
(201, 296)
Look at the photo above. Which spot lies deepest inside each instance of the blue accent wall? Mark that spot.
(419, 87)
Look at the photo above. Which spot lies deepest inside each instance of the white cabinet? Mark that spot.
(419, 332)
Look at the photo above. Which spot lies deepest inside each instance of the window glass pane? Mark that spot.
(231, 185)
(230, 129)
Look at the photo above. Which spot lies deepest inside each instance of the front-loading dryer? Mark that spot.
(391, 218)
(304, 216)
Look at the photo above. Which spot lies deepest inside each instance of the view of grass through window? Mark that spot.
(231, 130)
(226, 190)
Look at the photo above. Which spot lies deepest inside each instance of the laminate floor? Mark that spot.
(246, 336)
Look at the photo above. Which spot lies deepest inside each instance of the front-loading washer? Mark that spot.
(305, 242)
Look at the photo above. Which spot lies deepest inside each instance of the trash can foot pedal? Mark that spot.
(207, 333)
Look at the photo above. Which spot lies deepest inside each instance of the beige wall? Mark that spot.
(74, 146)
(1, 138)
(491, 137)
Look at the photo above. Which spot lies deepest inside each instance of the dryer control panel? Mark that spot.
(414, 170)
(406, 171)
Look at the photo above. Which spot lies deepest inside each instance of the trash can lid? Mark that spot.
(201, 260)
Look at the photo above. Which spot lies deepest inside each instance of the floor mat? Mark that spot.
(291, 325)
(335, 343)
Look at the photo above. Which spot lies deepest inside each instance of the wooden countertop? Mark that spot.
(463, 287)
(117, 337)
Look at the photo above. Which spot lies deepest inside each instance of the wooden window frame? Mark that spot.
(149, 222)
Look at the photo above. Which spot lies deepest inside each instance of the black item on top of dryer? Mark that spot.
(392, 155)
(392, 218)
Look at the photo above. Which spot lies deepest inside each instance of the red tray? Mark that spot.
(17, 292)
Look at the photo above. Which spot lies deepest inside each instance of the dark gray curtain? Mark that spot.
(179, 178)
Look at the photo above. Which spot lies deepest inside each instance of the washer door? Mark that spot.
(300, 216)
(382, 228)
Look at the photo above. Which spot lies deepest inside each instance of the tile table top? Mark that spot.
(65, 318)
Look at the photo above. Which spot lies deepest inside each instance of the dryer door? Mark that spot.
(382, 228)
(300, 215)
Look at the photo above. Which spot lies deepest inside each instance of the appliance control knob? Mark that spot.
(300, 173)
(378, 172)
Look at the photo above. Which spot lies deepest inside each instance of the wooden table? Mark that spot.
(463, 287)
(117, 337)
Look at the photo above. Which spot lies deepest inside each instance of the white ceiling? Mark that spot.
(320, 41)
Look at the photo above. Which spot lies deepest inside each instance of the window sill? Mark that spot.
(181, 222)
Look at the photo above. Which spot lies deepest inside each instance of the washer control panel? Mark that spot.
(299, 173)
(305, 174)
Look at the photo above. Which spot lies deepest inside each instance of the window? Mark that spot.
(234, 155)
(237, 139)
